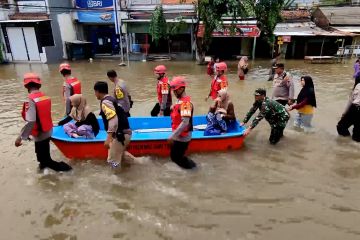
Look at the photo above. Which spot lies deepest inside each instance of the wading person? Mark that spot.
(306, 102)
(283, 86)
(217, 61)
(71, 85)
(272, 111)
(162, 107)
(219, 82)
(243, 67)
(116, 124)
(121, 93)
(181, 124)
(274, 61)
(37, 114)
(86, 125)
(210, 68)
(351, 116)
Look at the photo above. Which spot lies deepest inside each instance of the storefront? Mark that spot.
(179, 45)
(297, 40)
(25, 40)
(97, 22)
(233, 40)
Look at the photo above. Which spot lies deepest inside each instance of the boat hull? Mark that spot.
(96, 150)
(149, 137)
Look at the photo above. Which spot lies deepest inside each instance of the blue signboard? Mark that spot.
(96, 17)
(94, 3)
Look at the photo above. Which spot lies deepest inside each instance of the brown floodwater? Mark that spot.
(306, 187)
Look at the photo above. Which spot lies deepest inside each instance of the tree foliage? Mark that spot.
(210, 13)
(267, 13)
(160, 29)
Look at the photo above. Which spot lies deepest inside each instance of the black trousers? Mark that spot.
(276, 134)
(282, 102)
(156, 110)
(351, 117)
(177, 154)
(42, 150)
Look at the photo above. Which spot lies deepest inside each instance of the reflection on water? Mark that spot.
(306, 187)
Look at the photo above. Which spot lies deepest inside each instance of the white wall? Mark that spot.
(67, 29)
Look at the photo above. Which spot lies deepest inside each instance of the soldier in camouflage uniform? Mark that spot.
(272, 111)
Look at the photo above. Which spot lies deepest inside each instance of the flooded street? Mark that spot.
(305, 187)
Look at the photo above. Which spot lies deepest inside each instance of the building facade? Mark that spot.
(97, 22)
(136, 17)
(297, 36)
(33, 31)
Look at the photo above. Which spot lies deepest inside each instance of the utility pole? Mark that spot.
(118, 31)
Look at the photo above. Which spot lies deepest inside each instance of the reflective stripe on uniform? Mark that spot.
(39, 99)
(109, 113)
(74, 83)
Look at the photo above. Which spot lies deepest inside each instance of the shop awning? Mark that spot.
(24, 21)
(349, 29)
(137, 26)
(149, 20)
(240, 30)
(307, 29)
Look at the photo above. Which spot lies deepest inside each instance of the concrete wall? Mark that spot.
(62, 27)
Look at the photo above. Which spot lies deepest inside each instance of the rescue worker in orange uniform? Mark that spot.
(37, 114)
(219, 82)
(71, 85)
(181, 124)
(162, 107)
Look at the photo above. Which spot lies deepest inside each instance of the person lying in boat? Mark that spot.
(216, 125)
(223, 102)
(86, 125)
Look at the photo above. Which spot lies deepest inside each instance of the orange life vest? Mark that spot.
(75, 86)
(163, 88)
(183, 108)
(43, 112)
(217, 84)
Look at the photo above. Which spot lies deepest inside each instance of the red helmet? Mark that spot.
(64, 66)
(177, 82)
(160, 69)
(31, 77)
(221, 66)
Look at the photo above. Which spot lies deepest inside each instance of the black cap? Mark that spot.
(260, 92)
(279, 65)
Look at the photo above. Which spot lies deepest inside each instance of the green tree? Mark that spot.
(210, 13)
(160, 29)
(268, 14)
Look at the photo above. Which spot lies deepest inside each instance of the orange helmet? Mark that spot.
(221, 66)
(31, 77)
(177, 82)
(64, 66)
(160, 69)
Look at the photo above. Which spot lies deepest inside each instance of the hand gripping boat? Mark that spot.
(149, 137)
